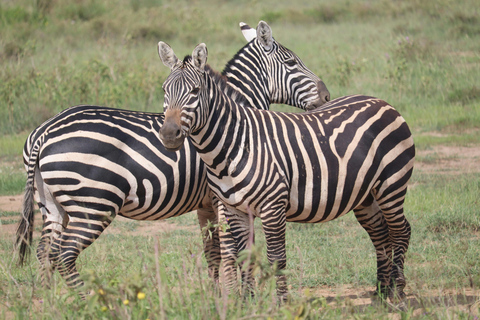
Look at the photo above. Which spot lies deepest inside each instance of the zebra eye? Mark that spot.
(290, 62)
(195, 91)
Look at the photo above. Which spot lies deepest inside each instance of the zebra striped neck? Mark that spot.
(245, 74)
(223, 124)
(229, 89)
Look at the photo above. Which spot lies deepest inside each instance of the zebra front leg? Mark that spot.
(82, 231)
(233, 239)
(274, 227)
(229, 253)
(207, 218)
(242, 234)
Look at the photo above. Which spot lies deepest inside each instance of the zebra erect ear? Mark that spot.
(264, 34)
(167, 55)
(199, 56)
(248, 32)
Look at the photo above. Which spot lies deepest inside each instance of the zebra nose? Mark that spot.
(171, 135)
(323, 92)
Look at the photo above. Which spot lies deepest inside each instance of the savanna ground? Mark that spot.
(457, 298)
(421, 56)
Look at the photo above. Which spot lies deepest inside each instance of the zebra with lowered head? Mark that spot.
(88, 164)
(354, 153)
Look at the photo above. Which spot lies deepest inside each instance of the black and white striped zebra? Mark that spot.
(354, 153)
(89, 163)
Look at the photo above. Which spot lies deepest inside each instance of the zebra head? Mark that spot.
(185, 81)
(281, 75)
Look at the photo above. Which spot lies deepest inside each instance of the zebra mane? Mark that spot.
(222, 82)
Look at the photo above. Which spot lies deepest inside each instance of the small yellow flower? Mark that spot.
(141, 295)
(101, 292)
(126, 302)
(104, 308)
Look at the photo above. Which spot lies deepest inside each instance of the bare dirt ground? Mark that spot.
(449, 159)
(437, 160)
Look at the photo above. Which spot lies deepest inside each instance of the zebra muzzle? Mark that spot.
(323, 97)
(171, 133)
(323, 92)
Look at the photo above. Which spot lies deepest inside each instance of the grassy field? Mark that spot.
(423, 57)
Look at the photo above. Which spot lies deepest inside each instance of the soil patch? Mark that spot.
(11, 203)
(356, 300)
(448, 160)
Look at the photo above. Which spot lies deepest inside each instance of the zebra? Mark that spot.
(88, 164)
(353, 153)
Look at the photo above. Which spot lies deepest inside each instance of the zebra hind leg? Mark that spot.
(371, 218)
(50, 232)
(54, 221)
(80, 232)
(391, 205)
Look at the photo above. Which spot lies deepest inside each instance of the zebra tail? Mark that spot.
(25, 227)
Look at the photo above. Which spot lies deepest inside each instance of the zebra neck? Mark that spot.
(245, 74)
(256, 94)
(224, 129)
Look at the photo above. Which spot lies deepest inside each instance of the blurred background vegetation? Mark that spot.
(423, 57)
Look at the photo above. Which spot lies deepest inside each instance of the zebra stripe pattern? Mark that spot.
(354, 153)
(89, 163)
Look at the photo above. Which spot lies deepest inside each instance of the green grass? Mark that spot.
(443, 255)
(8, 214)
(12, 178)
(421, 57)
(12, 172)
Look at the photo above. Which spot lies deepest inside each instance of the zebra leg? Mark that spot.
(370, 217)
(229, 252)
(82, 230)
(235, 236)
(391, 205)
(241, 232)
(211, 241)
(274, 227)
(51, 231)
(54, 221)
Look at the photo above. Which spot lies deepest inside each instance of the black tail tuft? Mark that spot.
(25, 227)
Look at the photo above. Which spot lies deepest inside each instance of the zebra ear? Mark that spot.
(264, 33)
(199, 56)
(248, 32)
(167, 55)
